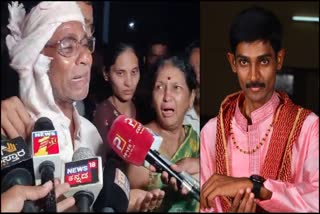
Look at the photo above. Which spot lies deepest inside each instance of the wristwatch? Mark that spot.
(257, 181)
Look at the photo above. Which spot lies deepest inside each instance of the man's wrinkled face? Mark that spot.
(69, 76)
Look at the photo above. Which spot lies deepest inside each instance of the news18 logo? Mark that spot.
(81, 172)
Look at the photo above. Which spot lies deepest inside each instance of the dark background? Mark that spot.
(178, 21)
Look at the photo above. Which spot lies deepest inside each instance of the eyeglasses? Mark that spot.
(69, 46)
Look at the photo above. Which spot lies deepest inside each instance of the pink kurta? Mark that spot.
(300, 196)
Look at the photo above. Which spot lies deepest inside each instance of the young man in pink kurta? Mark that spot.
(259, 131)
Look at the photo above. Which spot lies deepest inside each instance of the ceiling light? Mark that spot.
(131, 25)
(306, 18)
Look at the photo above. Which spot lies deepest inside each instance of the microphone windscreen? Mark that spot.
(16, 164)
(130, 139)
(43, 124)
(17, 176)
(82, 153)
(84, 175)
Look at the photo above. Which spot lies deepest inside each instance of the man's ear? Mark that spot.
(232, 61)
(280, 58)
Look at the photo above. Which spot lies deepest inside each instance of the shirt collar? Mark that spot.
(65, 121)
(192, 114)
(77, 121)
(259, 114)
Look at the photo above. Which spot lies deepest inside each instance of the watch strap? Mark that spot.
(256, 189)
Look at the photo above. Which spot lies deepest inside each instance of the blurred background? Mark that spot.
(300, 74)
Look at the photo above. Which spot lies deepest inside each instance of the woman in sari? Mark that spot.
(173, 94)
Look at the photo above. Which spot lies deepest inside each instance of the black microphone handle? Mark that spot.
(155, 159)
(46, 170)
(193, 183)
(195, 193)
(84, 199)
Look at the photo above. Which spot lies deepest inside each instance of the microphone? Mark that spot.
(16, 167)
(114, 196)
(45, 148)
(46, 158)
(184, 175)
(84, 174)
(132, 142)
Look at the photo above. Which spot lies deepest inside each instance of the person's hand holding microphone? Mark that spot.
(13, 199)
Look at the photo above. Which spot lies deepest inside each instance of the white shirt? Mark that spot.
(192, 118)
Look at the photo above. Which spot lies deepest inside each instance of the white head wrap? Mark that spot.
(29, 34)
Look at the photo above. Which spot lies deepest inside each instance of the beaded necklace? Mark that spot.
(256, 147)
(275, 118)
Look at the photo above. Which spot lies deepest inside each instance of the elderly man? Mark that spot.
(15, 120)
(51, 52)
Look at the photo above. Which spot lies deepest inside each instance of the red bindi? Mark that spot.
(169, 78)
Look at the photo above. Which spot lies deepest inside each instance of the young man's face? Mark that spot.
(69, 76)
(256, 65)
